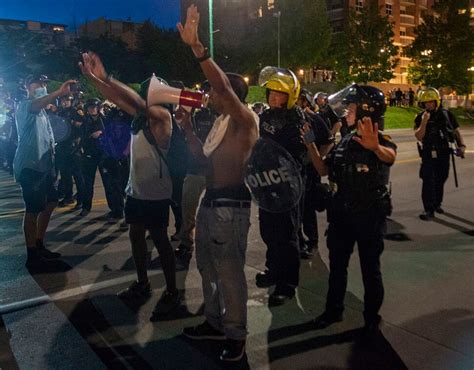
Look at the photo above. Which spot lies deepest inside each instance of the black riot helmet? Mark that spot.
(308, 96)
(370, 102)
(94, 102)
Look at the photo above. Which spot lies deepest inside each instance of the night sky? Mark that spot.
(163, 12)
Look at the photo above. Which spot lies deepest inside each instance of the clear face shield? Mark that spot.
(284, 75)
(350, 102)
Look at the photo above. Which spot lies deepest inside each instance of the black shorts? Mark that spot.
(151, 213)
(38, 189)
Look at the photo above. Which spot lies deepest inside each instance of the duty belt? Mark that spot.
(208, 203)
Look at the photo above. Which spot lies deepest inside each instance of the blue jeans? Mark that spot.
(221, 244)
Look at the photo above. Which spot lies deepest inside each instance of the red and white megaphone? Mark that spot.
(160, 93)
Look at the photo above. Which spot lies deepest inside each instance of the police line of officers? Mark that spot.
(357, 199)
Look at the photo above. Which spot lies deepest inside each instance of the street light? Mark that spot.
(278, 15)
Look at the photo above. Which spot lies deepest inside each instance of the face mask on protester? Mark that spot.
(40, 92)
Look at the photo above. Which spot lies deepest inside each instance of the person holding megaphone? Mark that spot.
(149, 186)
(223, 218)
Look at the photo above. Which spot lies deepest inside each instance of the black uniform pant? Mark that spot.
(177, 198)
(69, 166)
(343, 232)
(113, 173)
(109, 170)
(279, 232)
(309, 214)
(434, 172)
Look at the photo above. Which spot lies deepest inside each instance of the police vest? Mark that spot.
(358, 177)
(283, 126)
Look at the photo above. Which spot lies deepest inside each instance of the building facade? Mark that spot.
(127, 31)
(55, 33)
(404, 14)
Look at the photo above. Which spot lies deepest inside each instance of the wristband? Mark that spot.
(204, 57)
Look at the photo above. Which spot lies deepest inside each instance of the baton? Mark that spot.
(454, 170)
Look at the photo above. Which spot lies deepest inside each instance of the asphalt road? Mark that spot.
(74, 320)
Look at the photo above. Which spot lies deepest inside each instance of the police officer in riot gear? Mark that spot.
(437, 130)
(327, 114)
(358, 170)
(281, 123)
(93, 128)
(312, 193)
(68, 154)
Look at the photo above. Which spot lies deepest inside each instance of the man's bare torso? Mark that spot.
(229, 160)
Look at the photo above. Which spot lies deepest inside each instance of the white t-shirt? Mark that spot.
(149, 176)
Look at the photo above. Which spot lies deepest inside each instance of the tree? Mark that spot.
(365, 51)
(443, 48)
(305, 35)
(118, 59)
(305, 32)
(20, 53)
(164, 54)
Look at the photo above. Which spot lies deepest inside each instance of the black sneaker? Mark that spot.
(306, 252)
(183, 250)
(46, 253)
(39, 264)
(371, 329)
(167, 303)
(136, 291)
(112, 217)
(264, 279)
(234, 350)
(175, 237)
(280, 296)
(66, 202)
(326, 319)
(203, 331)
(426, 216)
(439, 210)
(78, 206)
(84, 213)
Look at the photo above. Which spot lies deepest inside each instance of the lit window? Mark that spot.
(260, 12)
(359, 5)
(388, 9)
(58, 29)
(271, 4)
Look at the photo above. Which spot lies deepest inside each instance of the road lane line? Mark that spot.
(65, 294)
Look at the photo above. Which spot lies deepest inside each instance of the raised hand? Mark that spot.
(189, 32)
(368, 134)
(65, 88)
(425, 116)
(307, 134)
(92, 66)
